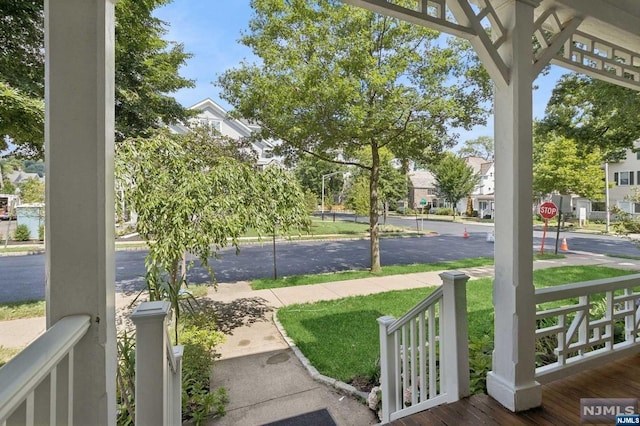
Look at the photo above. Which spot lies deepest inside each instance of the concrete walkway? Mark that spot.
(265, 379)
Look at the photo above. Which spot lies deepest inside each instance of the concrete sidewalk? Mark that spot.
(265, 379)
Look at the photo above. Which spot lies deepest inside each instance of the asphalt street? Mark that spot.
(22, 277)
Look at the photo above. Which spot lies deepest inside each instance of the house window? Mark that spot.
(636, 207)
(210, 124)
(625, 206)
(598, 206)
(623, 178)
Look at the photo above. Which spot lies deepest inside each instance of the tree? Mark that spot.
(558, 166)
(392, 184)
(309, 171)
(147, 70)
(482, 147)
(281, 206)
(454, 179)
(32, 191)
(334, 79)
(593, 113)
(21, 120)
(8, 187)
(358, 197)
(21, 74)
(191, 197)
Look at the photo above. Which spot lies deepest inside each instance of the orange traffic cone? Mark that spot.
(466, 234)
(564, 245)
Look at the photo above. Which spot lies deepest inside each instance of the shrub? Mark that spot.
(22, 233)
(125, 378)
(200, 337)
(479, 363)
(41, 233)
(310, 201)
(444, 211)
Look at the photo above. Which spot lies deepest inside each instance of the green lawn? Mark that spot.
(296, 280)
(326, 227)
(18, 310)
(7, 353)
(340, 338)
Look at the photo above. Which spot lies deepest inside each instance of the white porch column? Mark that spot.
(79, 133)
(512, 381)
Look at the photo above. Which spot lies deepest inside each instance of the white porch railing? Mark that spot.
(424, 355)
(36, 387)
(581, 324)
(158, 367)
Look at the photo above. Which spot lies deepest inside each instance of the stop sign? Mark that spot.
(548, 210)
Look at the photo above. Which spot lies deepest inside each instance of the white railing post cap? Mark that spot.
(148, 310)
(386, 320)
(454, 275)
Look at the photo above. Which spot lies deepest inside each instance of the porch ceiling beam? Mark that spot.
(420, 15)
(600, 59)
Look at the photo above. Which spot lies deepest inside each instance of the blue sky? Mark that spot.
(210, 31)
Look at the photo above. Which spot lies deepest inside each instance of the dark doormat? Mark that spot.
(314, 418)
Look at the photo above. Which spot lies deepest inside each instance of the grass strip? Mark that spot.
(19, 310)
(340, 337)
(7, 353)
(623, 256)
(295, 280)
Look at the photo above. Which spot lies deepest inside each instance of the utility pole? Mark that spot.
(606, 197)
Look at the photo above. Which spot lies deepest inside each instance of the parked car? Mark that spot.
(6, 216)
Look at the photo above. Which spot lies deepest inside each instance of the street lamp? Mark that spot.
(324, 176)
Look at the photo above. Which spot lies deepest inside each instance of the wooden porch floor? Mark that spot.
(560, 400)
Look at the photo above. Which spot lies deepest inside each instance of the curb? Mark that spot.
(313, 372)
(124, 247)
(22, 253)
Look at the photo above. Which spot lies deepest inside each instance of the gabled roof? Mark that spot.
(19, 176)
(241, 126)
(475, 163)
(422, 179)
(484, 168)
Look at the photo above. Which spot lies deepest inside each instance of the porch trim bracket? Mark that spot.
(551, 34)
(489, 35)
(600, 59)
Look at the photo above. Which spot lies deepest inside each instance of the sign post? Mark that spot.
(548, 211)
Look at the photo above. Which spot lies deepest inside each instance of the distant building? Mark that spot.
(422, 190)
(483, 195)
(215, 117)
(624, 180)
(18, 177)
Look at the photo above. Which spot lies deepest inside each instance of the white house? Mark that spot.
(624, 176)
(482, 197)
(216, 118)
